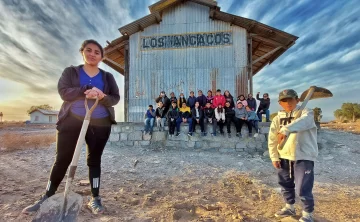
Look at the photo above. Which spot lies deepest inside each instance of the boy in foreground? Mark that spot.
(295, 162)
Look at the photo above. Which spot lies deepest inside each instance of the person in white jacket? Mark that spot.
(220, 117)
(295, 161)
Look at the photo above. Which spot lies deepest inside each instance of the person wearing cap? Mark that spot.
(165, 101)
(263, 106)
(149, 120)
(295, 161)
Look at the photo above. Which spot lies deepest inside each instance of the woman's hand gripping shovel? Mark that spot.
(66, 206)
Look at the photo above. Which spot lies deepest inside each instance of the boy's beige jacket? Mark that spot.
(301, 143)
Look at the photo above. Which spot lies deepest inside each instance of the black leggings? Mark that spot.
(67, 136)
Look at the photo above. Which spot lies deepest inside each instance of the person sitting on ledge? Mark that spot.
(185, 117)
(160, 116)
(149, 120)
(172, 116)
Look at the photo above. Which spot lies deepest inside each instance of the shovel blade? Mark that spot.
(318, 93)
(52, 209)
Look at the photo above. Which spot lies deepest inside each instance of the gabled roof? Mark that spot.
(268, 43)
(46, 112)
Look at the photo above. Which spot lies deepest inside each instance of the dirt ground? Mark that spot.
(185, 185)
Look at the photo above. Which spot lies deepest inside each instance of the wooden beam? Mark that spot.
(250, 66)
(266, 55)
(127, 85)
(141, 28)
(253, 51)
(259, 38)
(118, 46)
(158, 18)
(113, 63)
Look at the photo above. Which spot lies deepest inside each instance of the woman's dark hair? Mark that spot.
(91, 41)
(241, 96)
(229, 93)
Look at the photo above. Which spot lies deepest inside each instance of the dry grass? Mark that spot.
(14, 141)
(351, 127)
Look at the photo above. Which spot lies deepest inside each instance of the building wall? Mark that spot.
(38, 117)
(186, 69)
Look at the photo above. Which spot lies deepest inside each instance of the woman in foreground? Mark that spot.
(75, 84)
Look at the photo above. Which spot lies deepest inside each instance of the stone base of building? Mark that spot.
(131, 134)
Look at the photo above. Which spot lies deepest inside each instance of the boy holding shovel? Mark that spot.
(295, 162)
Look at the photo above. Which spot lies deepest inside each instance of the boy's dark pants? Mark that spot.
(302, 174)
(172, 125)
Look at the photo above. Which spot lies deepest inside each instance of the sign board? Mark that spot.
(187, 40)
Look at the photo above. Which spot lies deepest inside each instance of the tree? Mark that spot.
(351, 111)
(45, 106)
(339, 114)
(317, 114)
(273, 115)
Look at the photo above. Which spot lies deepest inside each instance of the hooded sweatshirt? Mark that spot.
(218, 100)
(301, 132)
(191, 102)
(241, 113)
(185, 112)
(252, 115)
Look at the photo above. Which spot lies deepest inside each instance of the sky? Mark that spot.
(39, 38)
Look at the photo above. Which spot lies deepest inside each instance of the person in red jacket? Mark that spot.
(218, 99)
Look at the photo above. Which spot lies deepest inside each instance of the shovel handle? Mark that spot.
(79, 144)
(298, 114)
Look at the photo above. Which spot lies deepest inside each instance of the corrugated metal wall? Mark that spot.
(189, 69)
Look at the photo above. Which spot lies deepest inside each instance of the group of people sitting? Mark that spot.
(218, 110)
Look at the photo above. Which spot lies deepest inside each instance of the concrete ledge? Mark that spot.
(131, 134)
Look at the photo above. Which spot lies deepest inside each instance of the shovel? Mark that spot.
(313, 92)
(66, 207)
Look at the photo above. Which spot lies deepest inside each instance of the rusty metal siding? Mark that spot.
(186, 69)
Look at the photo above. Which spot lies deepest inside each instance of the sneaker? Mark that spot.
(222, 133)
(237, 134)
(95, 205)
(285, 212)
(213, 134)
(189, 134)
(307, 217)
(256, 135)
(177, 134)
(229, 135)
(36, 206)
(150, 133)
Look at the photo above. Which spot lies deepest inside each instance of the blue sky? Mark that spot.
(39, 38)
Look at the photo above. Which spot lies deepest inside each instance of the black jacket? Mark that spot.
(160, 112)
(252, 103)
(173, 114)
(264, 103)
(209, 113)
(70, 90)
(167, 102)
(202, 100)
(201, 113)
(229, 112)
(173, 99)
(191, 102)
(231, 100)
